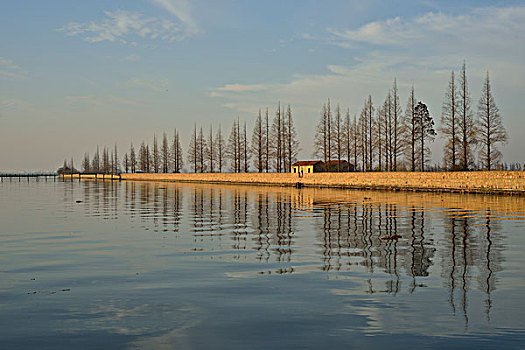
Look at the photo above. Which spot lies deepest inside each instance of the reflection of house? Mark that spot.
(341, 166)
(307, 167)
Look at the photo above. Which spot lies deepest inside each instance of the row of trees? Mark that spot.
(381, 138)
(273, 147)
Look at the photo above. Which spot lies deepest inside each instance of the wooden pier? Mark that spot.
(28, 176)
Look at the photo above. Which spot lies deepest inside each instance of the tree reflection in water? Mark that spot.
(338, 233)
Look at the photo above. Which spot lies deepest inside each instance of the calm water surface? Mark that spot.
(160, 265)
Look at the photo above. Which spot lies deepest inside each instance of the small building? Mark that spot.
(338, 166)
(307, 167)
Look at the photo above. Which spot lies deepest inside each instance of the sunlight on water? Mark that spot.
(144, 264)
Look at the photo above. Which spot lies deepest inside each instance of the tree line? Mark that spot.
(381, 138)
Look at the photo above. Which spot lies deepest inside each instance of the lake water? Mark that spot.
(163, 265)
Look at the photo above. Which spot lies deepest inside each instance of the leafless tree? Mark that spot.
(367, 115)
(132, 159)
(397, 128)
(165, 153)
(115, 161)
(411, 131)
(245, 154)
(143, 158)
(467, 128)
(193, 150)
(210, 151)
(156, 155)
(276, 142)
(176, 153)
(258, 144)
(347, 137)
(337, 132)
(125, 162)
(233, 150)
(267, 139)
(323, 137)
(491, 131)
(105, 161)
(201, 149)
(292, 143)
(449, 125)
(86, 164)
(219, 146)
(95, 163)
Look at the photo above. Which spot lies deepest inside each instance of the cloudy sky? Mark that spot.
(77, 74)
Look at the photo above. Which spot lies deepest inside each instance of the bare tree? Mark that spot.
(210, 151)
(267, 139)
(125, 162)
(397, 127)
(143, 158)
(165, 153)
(276, 143)
(244, 150)
(105, 161)
(132, 159)
(491, 131)
(292, 143)
(337, 132)
(467, 129)
(425, 131)
(201, 149)
(411, 130)
(323, 144)
(176, 153)
(116, 165)
(193, 150)
(219, 141)
(347, 137)
(233, 150)
(156, 155)
(95, 163)
(258, 142)
(355, 140)
(86, 165)
(367, 115)
(449, 125)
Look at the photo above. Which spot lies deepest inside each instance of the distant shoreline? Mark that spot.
(493, 182)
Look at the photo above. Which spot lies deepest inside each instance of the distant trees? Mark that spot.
(176, 153)
(380, 138)
(467, 128)
(491, 129)
(449, 126)
(86, 165)
(258, 144)
(165, 154)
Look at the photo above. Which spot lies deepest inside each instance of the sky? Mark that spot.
(77, 74)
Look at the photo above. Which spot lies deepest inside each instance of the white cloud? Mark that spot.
(132, 58)
(10, 70)
(483, 29)
(93, 100)
(181, 9)
(126, 27)
(149, 84)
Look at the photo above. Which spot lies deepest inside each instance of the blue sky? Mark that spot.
(74, 74)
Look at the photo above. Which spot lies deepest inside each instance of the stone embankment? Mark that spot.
(495, 182)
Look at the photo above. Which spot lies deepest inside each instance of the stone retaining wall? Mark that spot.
(503, 182)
